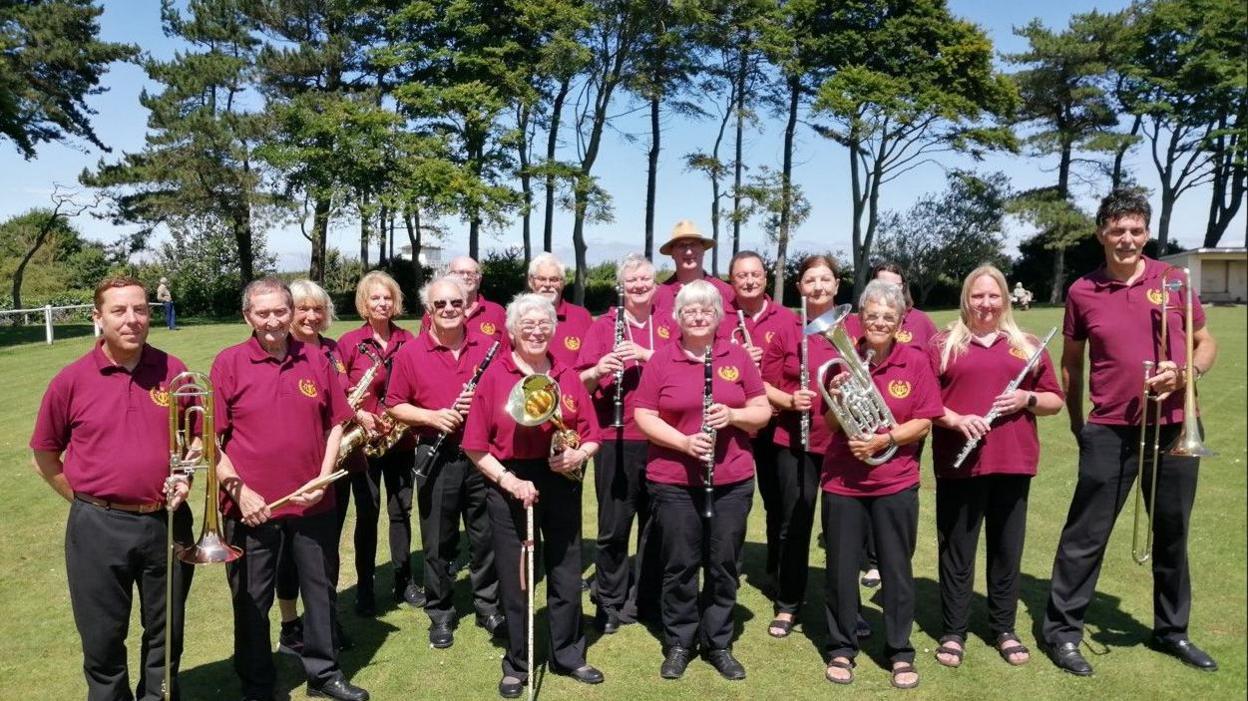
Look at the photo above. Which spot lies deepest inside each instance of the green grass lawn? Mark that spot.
(393, 659)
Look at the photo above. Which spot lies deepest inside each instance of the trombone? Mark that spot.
(196, 390)
(1190, 442)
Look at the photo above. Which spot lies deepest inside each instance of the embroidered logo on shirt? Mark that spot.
(899, 389)
(308, 388)
(729, 373)
(488, 328)
(768, 336)
(342, 369)
(1155, 296)
(572, 343)
(159, 395)
(903, 336)
(664, 332)
(569, 402)
(1018, 353)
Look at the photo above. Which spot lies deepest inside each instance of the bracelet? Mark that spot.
(1031, 400)
(892, 442)
(501, 475)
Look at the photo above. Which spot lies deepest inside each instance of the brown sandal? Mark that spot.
(904, 669)
(944, 649)
(837, 664)
(785, 627)
(1017, 648)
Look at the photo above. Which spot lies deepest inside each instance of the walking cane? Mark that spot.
(527, 582)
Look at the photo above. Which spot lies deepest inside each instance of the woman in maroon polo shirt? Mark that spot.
(379, 302)
(516, 460)
(975, 360)
(669, 411)
(886, 496)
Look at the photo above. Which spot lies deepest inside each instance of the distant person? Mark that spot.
(1021, 297)
(164, 296)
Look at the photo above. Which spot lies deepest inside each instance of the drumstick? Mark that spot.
(317, 483)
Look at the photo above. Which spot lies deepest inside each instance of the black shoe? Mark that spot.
(495, 624)
(608, 621)
(1068, 658)
(585, 674)
(338, 688)
(510, 687)
(413, 595)
(724, 663)
(1186, 652)
(675, 662)
(290, 640)
(441, 634)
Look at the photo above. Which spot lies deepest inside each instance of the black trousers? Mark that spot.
(252, 578)
(107, 555)
(691, 546)
(557, 520)
(287, 575)
(765, 452)
(454, 489)
(999, 503)
(1108, 463)
(395, 470)
(620, 483)
(894, 520)
(797, 473)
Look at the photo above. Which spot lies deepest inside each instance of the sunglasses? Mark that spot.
(441, 303)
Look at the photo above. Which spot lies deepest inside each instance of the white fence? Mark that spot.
(51, 315)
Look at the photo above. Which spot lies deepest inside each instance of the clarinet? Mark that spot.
(804, 379)
(422, 470)
(708, 474)
(993, 413)
(619, 374)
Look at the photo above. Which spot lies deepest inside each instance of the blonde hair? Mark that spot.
(367, 282)
(958, 337)
(306, 289)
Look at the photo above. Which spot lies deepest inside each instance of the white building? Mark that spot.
(1220, 274)
(430, 255)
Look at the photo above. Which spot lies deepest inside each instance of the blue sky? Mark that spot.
(820, 166)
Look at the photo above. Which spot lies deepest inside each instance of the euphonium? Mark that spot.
(535, 400)
(859, 409)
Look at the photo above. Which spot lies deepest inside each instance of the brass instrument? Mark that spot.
(535, 400)
(620, 321)
(742, 330)
(1190, 442)
(211, 547)
(804, 379)
(859, 409)
(355, 435)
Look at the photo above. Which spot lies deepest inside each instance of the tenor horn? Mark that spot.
(533, 401)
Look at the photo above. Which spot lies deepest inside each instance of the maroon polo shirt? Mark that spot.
(916, 328)
(658, 331)
(573, 322)
(766, 329)
(782, 370)
(672, 385)
(427, 374)
(491, 429)
(111, 424)
(968, 386)
(486, 318)
(906, 382)
(272, 416)
(665, 295)
(1122, 326)
(358, 363)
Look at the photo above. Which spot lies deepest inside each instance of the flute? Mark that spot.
(804, 379)
(993, 413)
(619, 374)
(422, 470)
(743, 329)
(708, 475)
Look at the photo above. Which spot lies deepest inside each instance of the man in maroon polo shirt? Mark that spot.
(547, 277)
(687, 247)
(427, 392)
(101, 441)
(279, 419)
(481, 315)
(1114, 312)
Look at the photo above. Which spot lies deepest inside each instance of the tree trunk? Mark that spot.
(40, 238)
(320, 226)
(242, 241)
(652, 172)
(526, 181)
(411, 219)
(1118, 174)
(737, 165)
(786, 190)
(552, 143)
(578, 243)
(715, 193)
(1059, 276)
(1163, 219)
(859, 206)
(1230, 177)
(365, 225)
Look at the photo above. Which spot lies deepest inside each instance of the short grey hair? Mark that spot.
(547, 258)
(632, 261)
(524, 303)
(702, 293)
(264, 285)
(884, 293)
(447, 279)
(306, 289)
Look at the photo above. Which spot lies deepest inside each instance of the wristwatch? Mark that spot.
(1031, 400)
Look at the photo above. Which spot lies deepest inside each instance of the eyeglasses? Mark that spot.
(696, 313)
(466, 273)
(441, 303)
(546, 280)
(536, 327)
(875, 318)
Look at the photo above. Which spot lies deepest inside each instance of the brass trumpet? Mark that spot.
(535, 400)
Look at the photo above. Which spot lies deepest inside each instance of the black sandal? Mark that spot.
(903, 669)
(1014, 649)
(946, 650)
(782, 625)
(847, 666)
